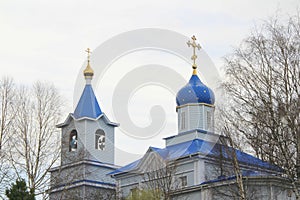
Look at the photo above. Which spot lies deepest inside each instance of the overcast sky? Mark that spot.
(45, 40)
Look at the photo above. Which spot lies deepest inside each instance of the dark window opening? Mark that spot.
(73, 141)
(183, 181)
(100, 140)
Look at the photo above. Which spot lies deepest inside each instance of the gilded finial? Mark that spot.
(194, 56)
(88, 72)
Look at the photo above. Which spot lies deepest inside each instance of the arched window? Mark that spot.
(73, 141)
(100, 139)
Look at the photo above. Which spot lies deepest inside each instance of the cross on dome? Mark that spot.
(89, 53)
(88, 72)
(195, 91)
(194, 45)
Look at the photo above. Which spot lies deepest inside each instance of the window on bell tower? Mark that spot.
(100, 139)
(73, 141)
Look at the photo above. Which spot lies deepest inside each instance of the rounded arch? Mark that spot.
(73, 140)
(100, 139)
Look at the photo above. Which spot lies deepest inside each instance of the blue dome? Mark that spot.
(195, 92)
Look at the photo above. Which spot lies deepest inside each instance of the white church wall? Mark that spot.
(195, 195)
(107, 154)
(183, 119)
(99, 174)
(199, 171)
(70, 193)
(68, 156)
(208, 114)
(129, 182)
(191, 135)
(196, 117)
(65, 176)
(86, 148)
(262, 188)
(183, 137)
(185, 169)
(212, 171)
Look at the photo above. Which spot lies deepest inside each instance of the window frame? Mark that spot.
(98, 134)
(183, 181)
(71, 135)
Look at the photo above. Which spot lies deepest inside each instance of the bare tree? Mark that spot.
(7, 108)
(35, 142)
(7, 112)
(263, 90)
(231, 151)
(159, 177)
(161, 180)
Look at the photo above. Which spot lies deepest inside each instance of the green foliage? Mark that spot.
(144, 195)
(18, 191)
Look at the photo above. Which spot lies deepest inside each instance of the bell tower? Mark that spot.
(87, 149)
(87, 133)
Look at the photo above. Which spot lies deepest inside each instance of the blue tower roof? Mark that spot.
(195, 92)
(88, 105)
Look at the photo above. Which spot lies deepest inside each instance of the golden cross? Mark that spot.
(89, 53)
(194, 45)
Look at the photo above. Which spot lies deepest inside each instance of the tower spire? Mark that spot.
(194, 56)
(88, 71)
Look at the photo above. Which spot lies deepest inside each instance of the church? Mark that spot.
(196, 163)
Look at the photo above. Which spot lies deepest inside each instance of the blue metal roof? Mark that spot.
(195, 92)
(205, 148)
(126, 168)
(88, 105)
